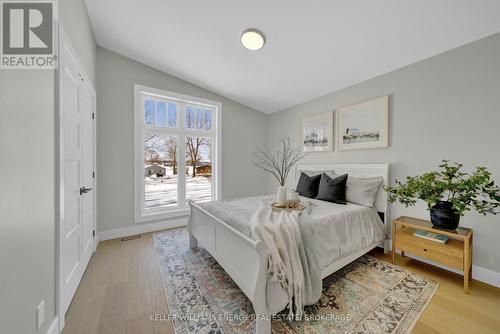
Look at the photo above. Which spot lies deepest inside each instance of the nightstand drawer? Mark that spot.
(450, 254)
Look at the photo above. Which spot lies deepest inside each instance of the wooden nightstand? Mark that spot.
(456, 253)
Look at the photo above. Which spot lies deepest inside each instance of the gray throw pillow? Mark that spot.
(330, 173)
(363, 191)
(332, 189)
(308, 185)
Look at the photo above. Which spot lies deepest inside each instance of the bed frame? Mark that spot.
(245, 259)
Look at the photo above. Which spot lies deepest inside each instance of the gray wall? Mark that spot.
(445, 107)
(27, 176)
(27, 198)
(76, 22)
(243, 128)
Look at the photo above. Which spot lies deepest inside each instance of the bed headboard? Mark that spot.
(356, 170)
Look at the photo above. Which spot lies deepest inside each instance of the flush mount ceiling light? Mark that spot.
(252, 39)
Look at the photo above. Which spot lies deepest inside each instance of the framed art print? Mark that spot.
(364, 125)
(317, 132)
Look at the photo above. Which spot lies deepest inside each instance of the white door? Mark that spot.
(86, 102)
(77, 230)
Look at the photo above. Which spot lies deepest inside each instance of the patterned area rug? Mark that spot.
(366, 296)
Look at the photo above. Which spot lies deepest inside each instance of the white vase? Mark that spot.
(281, 195)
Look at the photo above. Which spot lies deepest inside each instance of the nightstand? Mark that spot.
(456, 253)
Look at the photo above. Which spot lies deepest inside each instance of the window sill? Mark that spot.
(162, 216)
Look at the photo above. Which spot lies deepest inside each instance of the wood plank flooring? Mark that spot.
(450, 310)
(119, 291)
(122, 287)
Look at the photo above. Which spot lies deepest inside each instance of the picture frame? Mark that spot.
(317, 132)
(364, 125)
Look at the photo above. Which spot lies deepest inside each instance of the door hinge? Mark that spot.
(93, 115)
(93, 175)
(93, 233)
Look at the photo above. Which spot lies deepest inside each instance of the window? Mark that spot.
(169, 126)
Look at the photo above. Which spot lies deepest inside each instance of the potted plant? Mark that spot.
(278, 165)
(449, 193)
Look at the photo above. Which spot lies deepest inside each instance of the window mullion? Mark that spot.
(200, 134)
(181, 174)
(142, 185)
(158, 129)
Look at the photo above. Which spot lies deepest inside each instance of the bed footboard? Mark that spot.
(243, 258)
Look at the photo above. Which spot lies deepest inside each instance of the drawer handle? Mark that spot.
(425, 250)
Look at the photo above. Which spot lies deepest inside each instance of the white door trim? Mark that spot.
(64, 42)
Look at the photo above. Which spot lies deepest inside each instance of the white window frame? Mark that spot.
(182, 207)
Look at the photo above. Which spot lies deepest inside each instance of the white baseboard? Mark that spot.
(54, 326)
(141, 228)
(478, 273)
(486, 275)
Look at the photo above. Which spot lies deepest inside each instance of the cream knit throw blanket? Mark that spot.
(292, 258)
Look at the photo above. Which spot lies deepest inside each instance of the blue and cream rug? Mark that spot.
(366, 296)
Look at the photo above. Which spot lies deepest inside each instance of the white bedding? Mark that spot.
(340, 230)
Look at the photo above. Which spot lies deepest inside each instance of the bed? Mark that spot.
(229, 241)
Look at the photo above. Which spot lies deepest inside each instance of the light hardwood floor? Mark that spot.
(122, 288)
(118, 292)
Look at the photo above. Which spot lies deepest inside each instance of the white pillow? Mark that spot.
(363, 191)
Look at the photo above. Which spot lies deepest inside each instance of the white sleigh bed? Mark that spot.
(246, 260)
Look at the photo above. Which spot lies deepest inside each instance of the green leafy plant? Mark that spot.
(450, 184)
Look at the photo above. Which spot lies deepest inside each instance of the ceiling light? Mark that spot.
(252, 39)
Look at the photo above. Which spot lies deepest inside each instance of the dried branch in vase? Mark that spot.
(280, 165)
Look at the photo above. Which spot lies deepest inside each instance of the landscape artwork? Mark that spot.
(317, 132)
(364, 125)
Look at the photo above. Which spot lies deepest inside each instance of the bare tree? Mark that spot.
(155, 159)
(280, 165)
(152, 146)
(172, 152)
(193, 145)
(172, 121)
(195, 121)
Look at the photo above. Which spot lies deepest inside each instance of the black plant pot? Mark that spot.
(444, 216)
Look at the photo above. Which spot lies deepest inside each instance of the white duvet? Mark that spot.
(340, 230)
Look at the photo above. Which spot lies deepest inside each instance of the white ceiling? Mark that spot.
(312, 47)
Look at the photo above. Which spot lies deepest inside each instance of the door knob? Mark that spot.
(84, 190)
